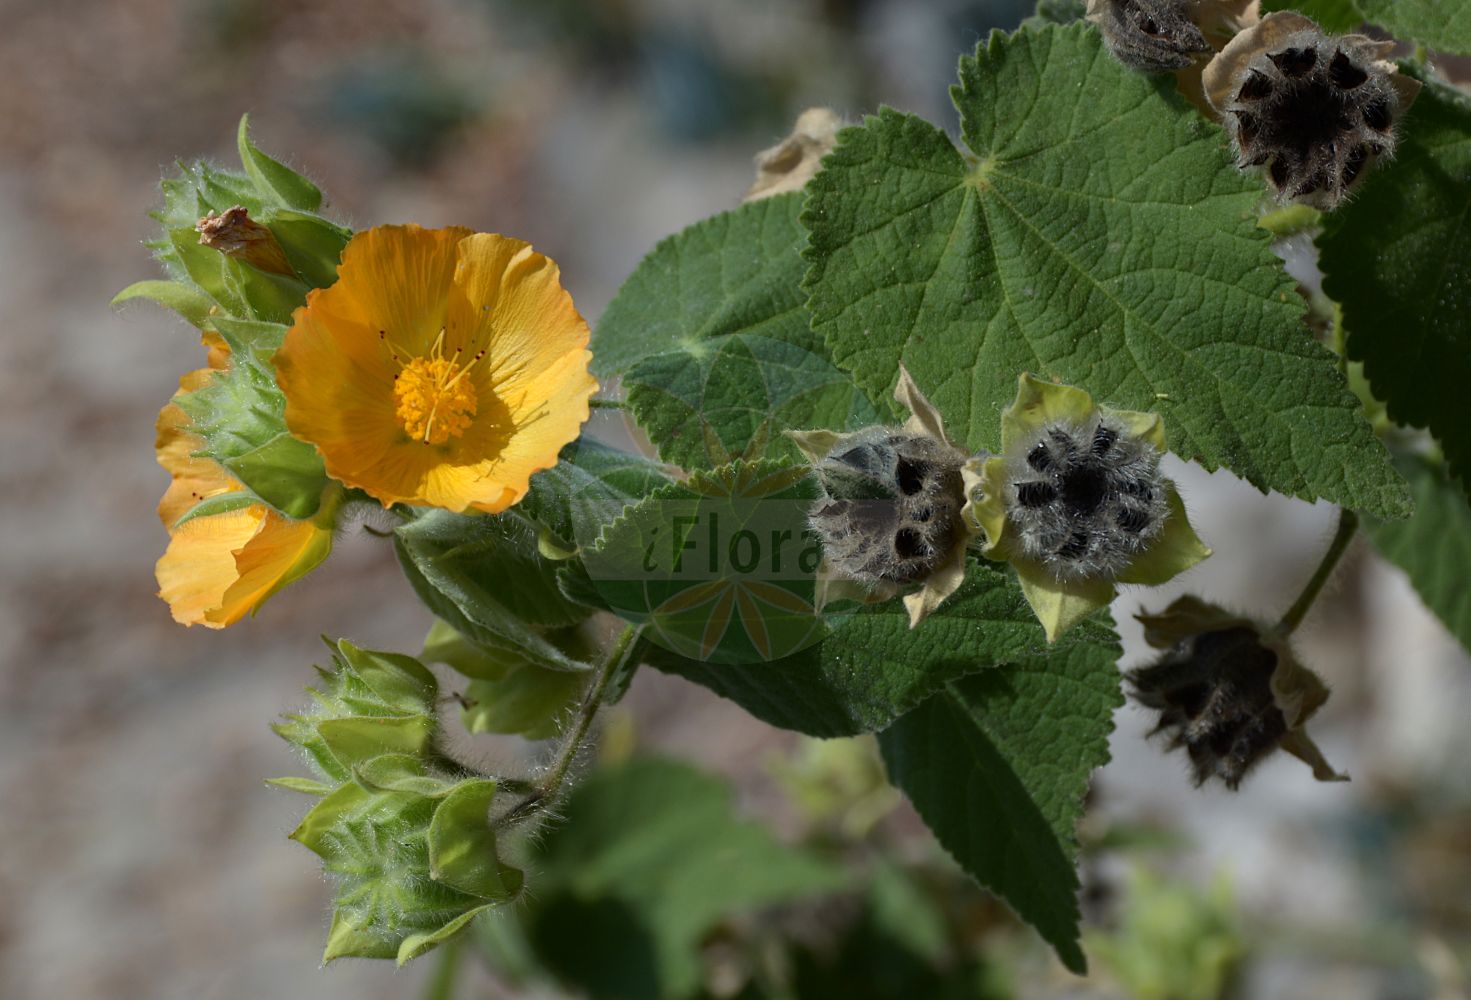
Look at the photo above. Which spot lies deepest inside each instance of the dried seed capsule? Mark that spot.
(1151, 36)
(1085, 498)
(1315, 110)
(889, 513)
(1228, 691)
(1076, 502)
(890, 505)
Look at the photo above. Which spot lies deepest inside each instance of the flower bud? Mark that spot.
(1313, 111)
(1229, 691)
(235, 234)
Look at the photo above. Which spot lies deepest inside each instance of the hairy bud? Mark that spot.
(1228, 691)
(1313, 111)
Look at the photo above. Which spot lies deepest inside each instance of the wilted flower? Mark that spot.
(235, 234)
(1314, 111)
(225, 562)
(1229, 691)
(443, 368)
(1076, 503)
(794, 161)
(889, 513)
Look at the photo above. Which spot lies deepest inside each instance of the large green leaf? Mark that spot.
(1398, 257)
(587, 489)
(1434, 546)
(998, 763)
(711, 336)
(648, 858)
(736, 272)
(1441, 24)
(1094, 232)
(732, 396)
(868, 667)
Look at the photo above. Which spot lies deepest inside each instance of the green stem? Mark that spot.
(1348, 523)
(442, 984)
(605, 404)
(546, 790)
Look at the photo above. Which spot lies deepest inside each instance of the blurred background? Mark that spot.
(140, 853)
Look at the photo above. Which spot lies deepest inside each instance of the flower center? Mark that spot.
(433, 399)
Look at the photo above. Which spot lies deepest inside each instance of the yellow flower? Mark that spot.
(443, 368)
(220, 566)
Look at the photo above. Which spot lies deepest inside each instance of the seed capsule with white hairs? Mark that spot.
(889, 513)
(1085, 499)
(1314, 112)
(1229, 691)
(890, 505)
(1151, 36)
(1076, 502)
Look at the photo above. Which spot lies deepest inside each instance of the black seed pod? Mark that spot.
(1151, 36)
(1214, 695)
(1314, 111)
(1228, 691)
(1084, 500)
(890, 505)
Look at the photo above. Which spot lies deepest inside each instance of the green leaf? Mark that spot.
(1105, 242)
(1444, 25)
(652, 854)
(1434, 546)
(459, 565)
(732, 396)
(186, 300)
(719, 370)
(869, 667)
(720, 567)
(313, 245)
(1056, 12)
(587, 489)
(998, 763)
(1398, 257)
(1336, 16)
(734, 273)
(274, 180)
(241, 414)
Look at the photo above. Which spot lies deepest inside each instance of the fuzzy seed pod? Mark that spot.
(1228, 691)
(1076, 502)
(890, 506)
(1314, 112)
(889, 513)
(1085, 499)
(1151, 36)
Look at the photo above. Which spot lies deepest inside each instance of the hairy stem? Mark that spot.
(605, 404)
(546, 789)
(1348, 523)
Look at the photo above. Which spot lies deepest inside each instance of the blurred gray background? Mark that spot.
(140, 853)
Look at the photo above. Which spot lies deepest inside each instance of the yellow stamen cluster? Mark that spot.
(433, 400)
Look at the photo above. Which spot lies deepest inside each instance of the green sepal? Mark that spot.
(313, 245)
(306, 786)
(273, 179)
(241, 415)
(220, 503)
(462, 844)
(368, 704)
(528, 702)
(189, 302)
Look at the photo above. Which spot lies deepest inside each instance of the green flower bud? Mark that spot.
(1229, 691)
